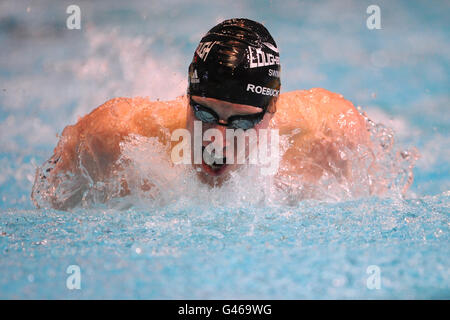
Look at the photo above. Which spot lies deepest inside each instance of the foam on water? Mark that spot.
(180, 250)
(377, 169)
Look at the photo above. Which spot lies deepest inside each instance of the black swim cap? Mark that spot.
(236, 61)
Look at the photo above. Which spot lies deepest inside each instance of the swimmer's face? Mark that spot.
(215, 174)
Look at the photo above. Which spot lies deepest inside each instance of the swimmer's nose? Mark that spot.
(223, 131)
(225, 144)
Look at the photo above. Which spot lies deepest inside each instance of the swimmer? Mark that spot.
(234, 83)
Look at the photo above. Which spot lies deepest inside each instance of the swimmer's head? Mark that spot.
(237, 61)
(234, 82)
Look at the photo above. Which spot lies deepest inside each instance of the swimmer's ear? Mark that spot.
(272, 108)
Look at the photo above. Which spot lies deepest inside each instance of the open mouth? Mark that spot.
(212, 165)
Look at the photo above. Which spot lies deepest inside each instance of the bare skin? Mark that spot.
(224, 110)
(319, 121)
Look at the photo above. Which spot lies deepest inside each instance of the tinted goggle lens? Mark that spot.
(242, 124)
(205, 116)
(236, 122)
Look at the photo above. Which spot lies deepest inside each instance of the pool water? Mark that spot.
(205, 245)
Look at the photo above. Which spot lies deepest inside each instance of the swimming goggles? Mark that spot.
(207, 115)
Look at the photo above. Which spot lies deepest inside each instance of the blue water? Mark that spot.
(399, 75)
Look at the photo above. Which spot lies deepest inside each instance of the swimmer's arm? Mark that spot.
(323, 127)
(88, 150)
(93, 143)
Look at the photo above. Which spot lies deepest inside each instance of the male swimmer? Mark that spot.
(234, 83)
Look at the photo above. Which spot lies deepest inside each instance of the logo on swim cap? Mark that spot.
(236, 61)
(259, 58)
(271, 46)
(194, 78)
(204, 48)
(263, 90)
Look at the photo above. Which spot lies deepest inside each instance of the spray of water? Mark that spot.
(147, 177)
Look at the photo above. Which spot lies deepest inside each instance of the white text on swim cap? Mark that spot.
(259, 58)
(204, 48)
(194, 78)
(263, 90)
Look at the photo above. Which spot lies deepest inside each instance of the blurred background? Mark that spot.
(50, 75)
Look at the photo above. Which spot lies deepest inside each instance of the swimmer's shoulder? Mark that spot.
(316, 101)
(158, 115)
(319, 110)
(139, 115)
